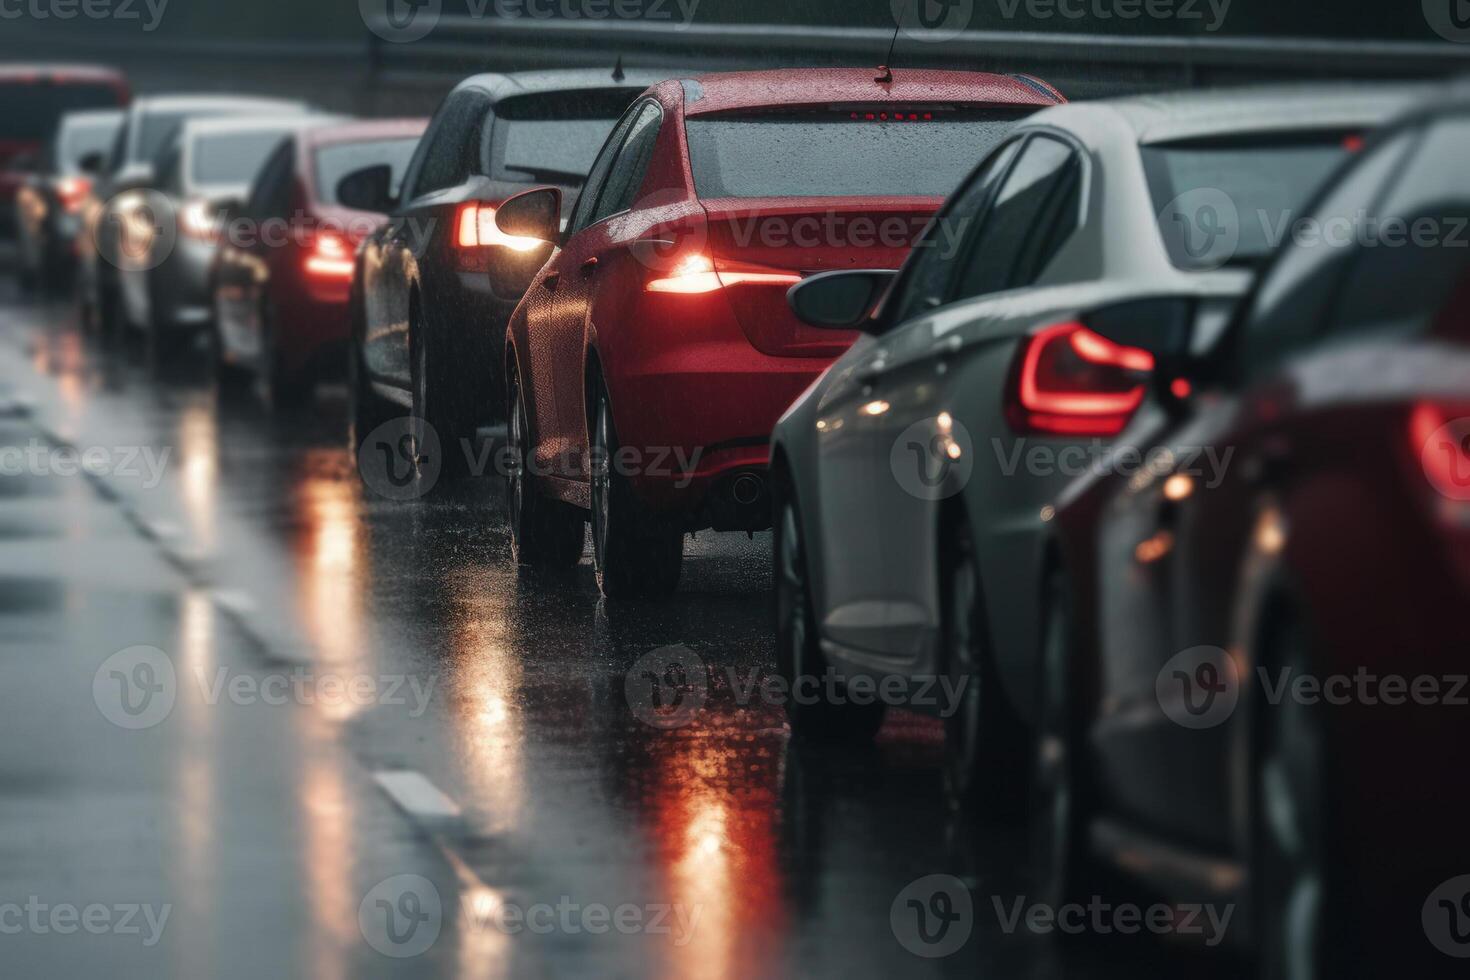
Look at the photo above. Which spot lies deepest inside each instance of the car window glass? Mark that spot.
(631, 165)
(1292, 299)
(1413, 255)
(992, 255)
(926, 279)
(597, 176)
(1058, 222)
(271, 195)
(450, 153)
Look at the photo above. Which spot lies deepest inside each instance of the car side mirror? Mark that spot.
(535, 213)
(842, 300)
(368, 189)
(92, 164)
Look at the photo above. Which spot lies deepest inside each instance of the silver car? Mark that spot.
(914, 479)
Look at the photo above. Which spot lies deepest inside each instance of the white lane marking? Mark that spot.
(418, 797)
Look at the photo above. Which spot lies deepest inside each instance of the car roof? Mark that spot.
(789, 87)
(187, 103)
(245, 124)
(504, 85)
(88, 116)
(1163, 118)
(61, 72)
(362, 130)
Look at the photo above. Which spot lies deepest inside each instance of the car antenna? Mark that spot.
(885, 73)
(618, 73)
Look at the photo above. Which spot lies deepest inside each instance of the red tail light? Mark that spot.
(699, 274)
(477, 229)
(330, 257)
(72, 191)
(1072, 381)
(1442, 441)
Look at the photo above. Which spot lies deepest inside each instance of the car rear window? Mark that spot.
(340, 159)
(79, 138)
(1204, 193)
(553, 138)
(842, 153)
(33, 109)
(233, 158)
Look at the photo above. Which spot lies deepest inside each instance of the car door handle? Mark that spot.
(550, 281)
(590, 266)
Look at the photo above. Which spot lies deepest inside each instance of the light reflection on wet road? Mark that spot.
(511, 702)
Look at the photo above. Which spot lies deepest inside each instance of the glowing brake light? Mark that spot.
(72, 191)
(1442, 440)
(196, 221)
(698, 274)
(1075, 382)
(330, 258)
(477, 229)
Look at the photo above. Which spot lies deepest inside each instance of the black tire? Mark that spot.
(544, 533)
(1293, 859)
(442, 396)
(984, 771)
(1061, 802)
(636, 554)
(799, 652)
(280, 389)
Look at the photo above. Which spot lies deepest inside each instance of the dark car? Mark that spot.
(284, 270)
(49, 203)
(437, 283)
(35, 98)
(119, 203)
(1283, 530)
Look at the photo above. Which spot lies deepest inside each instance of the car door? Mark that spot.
(440, 178)
(1177, 547)
(249, 255)
(574, 279)
(856, 588)
(923, 452)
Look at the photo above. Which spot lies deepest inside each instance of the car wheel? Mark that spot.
(543, 532)
(1288, 868)
(1060, 803)
(636, 554)
(981, 769)
(281, 389)
(812, 714)
(440, 399)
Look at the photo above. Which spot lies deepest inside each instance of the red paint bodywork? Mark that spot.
(707, 374)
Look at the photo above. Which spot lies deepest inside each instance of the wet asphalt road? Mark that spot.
(360, 690)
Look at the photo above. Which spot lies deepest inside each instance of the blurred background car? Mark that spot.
(1334, 544)
(281, 288)
(660, 325)
(913, 508)
(118, 199)
(35, 98)
(205, 167)
(49, 204)
(438, 282)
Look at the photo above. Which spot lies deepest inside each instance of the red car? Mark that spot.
(657, 338)
(284, 270)
(35, 98)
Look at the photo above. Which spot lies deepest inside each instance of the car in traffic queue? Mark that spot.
(206, 166)
(437, 283)
(118, 217)
(1221, 644)
(655, 349)
(49, 203)
(281, 285)
(915, 480)
(36, 96)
